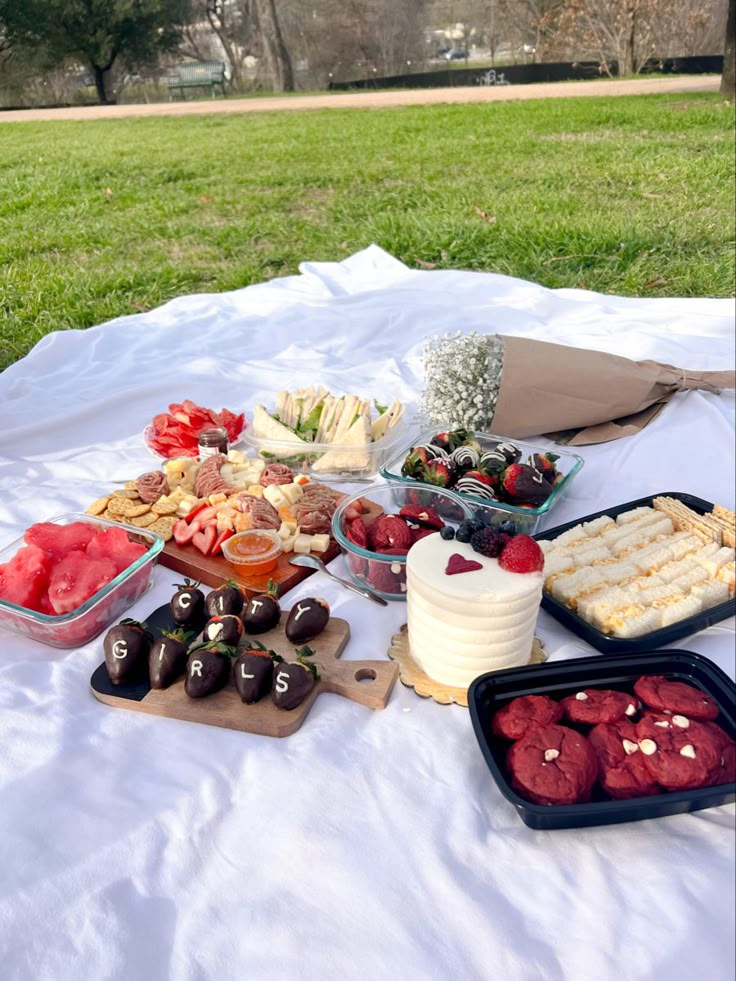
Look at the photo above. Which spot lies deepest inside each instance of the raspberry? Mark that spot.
(487, 542)
(522, 554)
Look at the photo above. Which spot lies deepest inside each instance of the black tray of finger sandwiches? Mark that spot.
(604, 641)
(490, 692)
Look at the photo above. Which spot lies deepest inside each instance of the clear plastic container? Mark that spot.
(254, 552)
(384, 574)
(78, 627)
(526, 519)
(330, 461)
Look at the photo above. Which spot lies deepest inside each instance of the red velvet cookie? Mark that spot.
(514, 719)
(725, 772)
(596, 705)
(676, 696)
(623, 773)
(680, 753)
(553, 765)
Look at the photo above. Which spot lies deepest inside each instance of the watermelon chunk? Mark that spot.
(76, 578)
(25, 577)
(57, 540)
(114, 544)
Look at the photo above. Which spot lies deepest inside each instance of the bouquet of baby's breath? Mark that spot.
(517, 387)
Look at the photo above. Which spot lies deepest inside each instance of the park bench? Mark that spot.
(197, 75)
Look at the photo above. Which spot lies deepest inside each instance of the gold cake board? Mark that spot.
(412, 675)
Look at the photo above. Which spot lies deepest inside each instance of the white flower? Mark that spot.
(462, 374)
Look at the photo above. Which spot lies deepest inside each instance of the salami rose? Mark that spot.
(315, 523)
(151, 486)
(276, 473)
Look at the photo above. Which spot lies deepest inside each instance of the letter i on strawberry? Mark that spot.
(294, 680)
(168, 656)
(253, 672)
(226, 599)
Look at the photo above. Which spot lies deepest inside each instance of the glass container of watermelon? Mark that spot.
(67, 579)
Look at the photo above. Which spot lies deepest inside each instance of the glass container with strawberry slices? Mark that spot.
(68, 578)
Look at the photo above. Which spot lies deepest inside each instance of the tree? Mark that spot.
(728, 81)
(95, 32)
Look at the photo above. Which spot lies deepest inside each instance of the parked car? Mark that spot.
(455, 54)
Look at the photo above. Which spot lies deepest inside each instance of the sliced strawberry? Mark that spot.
(183, 532)
(222, 537)
(427, 517)
(196, 511)
(357, 533)
(205, 540)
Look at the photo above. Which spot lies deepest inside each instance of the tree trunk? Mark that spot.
(100, 84)
(728, 81)
(278, 54)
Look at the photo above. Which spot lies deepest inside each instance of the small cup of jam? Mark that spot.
(254, 552)
(212, 441)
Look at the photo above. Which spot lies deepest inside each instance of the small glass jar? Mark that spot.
(212, 441)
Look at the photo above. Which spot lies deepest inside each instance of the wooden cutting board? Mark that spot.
(189, 561)
(368, 682)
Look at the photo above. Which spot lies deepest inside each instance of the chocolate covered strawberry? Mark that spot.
(293, 680)
(187, 605)
(253, 672)
(307, 619)
(263, 612)
(208, 669)
(224, 630)
(416, 459)
(545, 463)
(225, 600)
(168, 657)
(126, 648)
(523, 484)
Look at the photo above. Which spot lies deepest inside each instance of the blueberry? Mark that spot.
(448, 533)
(507, 527)
(464, 533)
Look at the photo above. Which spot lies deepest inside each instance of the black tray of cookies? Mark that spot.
(491, 692)
(656, 638)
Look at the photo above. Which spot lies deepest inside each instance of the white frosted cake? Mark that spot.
(462, 625)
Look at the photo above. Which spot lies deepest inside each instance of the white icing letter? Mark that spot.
(282, 682)
(119, 650)
(243, 673)
(299, 610)
(254, 604)
(196, 669)
(185, 600)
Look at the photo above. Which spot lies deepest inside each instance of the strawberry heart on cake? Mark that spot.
(457, 564)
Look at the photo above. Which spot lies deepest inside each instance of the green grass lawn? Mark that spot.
(98, 219)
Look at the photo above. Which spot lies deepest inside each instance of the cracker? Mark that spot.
(131, 485)
(97, 507)
(108, 514)
(164, 527)
(144, 520)
(130, 494)
(720, 512)
(684, 517)
(164, 505)
(127, 508)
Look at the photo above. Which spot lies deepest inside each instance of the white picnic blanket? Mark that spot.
(369, 844)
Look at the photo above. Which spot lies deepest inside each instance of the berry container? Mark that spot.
(385, 574)
(526, 519)
(657, 638)
(78, 627)
(491, 691)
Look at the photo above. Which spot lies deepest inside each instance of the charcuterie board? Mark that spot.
(367, 682)
(213, 570)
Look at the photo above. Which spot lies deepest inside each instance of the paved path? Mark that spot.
(378, 100)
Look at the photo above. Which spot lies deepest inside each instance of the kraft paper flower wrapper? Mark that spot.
(550, 388)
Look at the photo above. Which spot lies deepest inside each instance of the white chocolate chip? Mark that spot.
(681, 721)
(630, 747)
(630, 709)
(396, 568)
(663, 724)
(581, 696)
(648, 747)
(551, 754)
(688, 751)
